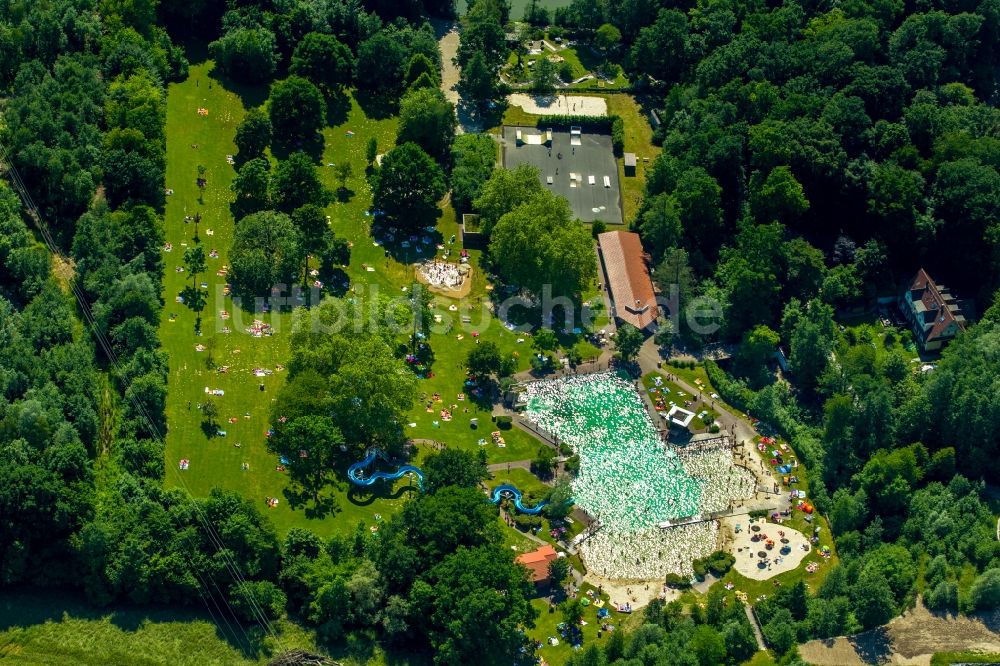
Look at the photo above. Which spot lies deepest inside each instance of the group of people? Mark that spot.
(441, 274)
(724, 481)
(626, 478)
(651, 553)
(629, 482)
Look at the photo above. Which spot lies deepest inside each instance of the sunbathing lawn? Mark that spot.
(217, 461)
(546, 624)
(525, 481)
(674, 392)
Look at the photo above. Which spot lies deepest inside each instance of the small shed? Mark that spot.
(630, 164)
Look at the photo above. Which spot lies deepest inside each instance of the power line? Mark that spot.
(102, 341)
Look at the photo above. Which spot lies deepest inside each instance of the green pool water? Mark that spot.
(628, 480)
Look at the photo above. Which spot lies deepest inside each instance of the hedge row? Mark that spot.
(609, 123)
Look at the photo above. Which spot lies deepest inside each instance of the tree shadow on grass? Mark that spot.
(251, 95)
(377, 105)
(338, 105)
(368, 495)
(313, 147)
(300, 497)
(396, 243)
(28, 607)
(210, 429)
(361, 646)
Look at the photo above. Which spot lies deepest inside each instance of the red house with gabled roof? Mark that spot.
(934, 314)
(537, 563)
(623, 261)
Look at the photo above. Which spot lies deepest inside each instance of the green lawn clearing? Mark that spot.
(638, 140)
(547, 626)
(244, 409)
(51, 629)
(672, 392)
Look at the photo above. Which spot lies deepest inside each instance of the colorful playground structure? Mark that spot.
(356, 472)
(507, 489)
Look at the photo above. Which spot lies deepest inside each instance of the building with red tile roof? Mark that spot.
(537, 563)
(627, 276)
(934, 314)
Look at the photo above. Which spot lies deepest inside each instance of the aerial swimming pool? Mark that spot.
(627, 479)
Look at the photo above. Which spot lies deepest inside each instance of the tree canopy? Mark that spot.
(297, 110)
(427, 119)
(266, 251)
(408, 186)
(538, 246)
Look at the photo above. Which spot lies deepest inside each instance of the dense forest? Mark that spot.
(814, 155)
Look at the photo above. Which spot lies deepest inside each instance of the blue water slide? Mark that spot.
(506, 488)
(356, 472)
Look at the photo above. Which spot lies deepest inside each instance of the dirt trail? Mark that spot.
(911, 639)
(450, 72)
(448, 43)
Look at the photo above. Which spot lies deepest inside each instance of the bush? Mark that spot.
(598, 228)
(618, 136)
(714, 428)
(542, 363)
(985, 592)
(565, 72)
(544, 463)
(572, 465)
(720, 562)
(574, 356)
(700, 570)
(504, 422)
(525, 522)
(251, 598)
(677, 582)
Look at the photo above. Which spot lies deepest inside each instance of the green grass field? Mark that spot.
(546, 626)
(244, 410)
(678, 395)
(39, 628)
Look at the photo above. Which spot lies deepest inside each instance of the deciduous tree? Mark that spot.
(297, 110)
(408, 186)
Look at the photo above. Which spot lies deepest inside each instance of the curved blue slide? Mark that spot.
(498, 494)
(355, 472)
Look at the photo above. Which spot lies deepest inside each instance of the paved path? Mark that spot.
(737, 425)
(756, 627)
(514, 464)
(448, 41)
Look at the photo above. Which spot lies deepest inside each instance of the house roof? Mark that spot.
(628, 278)
(934, 306)
(537, 562)
(630, 159)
